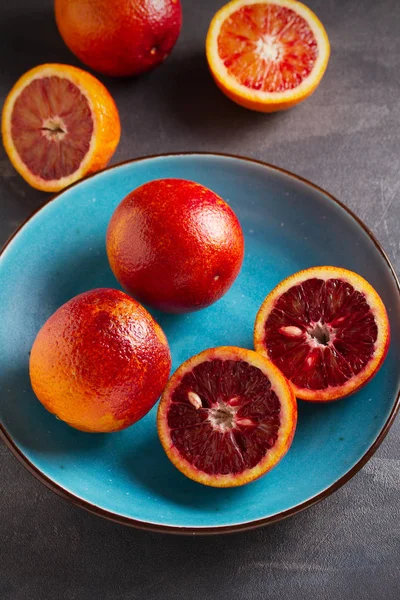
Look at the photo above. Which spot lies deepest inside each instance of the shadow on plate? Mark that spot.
(168, 322)
(32, 426)
(148, 465)
(85, 268)
(88, 268)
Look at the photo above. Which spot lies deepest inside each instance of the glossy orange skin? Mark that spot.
(175, 245)
(100, 362)
(119, 37)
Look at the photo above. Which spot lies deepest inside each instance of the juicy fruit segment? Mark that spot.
(119, 37)
(326, 329)
(268, 47)
(226, 417)
(52, 126)
(175, 245)
(59, 124)
(267, 55)
(334, 338)
(235, 431)
(100, 361)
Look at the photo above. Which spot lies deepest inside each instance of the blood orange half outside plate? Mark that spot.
(289, 225)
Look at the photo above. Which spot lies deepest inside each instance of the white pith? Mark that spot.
(54, 128)
(268, 48)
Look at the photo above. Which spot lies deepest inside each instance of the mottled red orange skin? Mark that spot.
(100, 362)
(175, 245)
(119, 37)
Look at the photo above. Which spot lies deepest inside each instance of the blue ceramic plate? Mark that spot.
(289, 224)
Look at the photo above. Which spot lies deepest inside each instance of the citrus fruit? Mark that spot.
(267, 55)
(119, 37)
(59, 124)
(326, 329)
(175, 245)
(100, 362)
(226, 417)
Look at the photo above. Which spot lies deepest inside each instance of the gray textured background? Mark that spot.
(344, 138)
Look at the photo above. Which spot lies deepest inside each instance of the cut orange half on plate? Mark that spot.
(326, 329)
(226, 417)
(267, 55)
(59, 124)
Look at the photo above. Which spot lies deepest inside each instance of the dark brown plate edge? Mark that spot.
(154, 527)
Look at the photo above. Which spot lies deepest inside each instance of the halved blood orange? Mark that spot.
(226, 417)
(267, 55)
(326, 329)
(59, 124)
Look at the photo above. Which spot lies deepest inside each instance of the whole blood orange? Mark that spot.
(175, 245)
(59, 124)
(226, 417)
(100, 362)
(267, 55)
(119, 37)
(326, 329)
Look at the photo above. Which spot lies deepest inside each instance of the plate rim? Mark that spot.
(215, 529)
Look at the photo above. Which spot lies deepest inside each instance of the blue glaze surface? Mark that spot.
(288, 225)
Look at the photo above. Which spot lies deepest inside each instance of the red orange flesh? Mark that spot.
(226, 417)
(267, 55)
(59, 124)
(327, 329)
(100, 361)
(175, 245)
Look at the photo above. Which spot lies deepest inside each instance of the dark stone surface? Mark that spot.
(346, 139)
